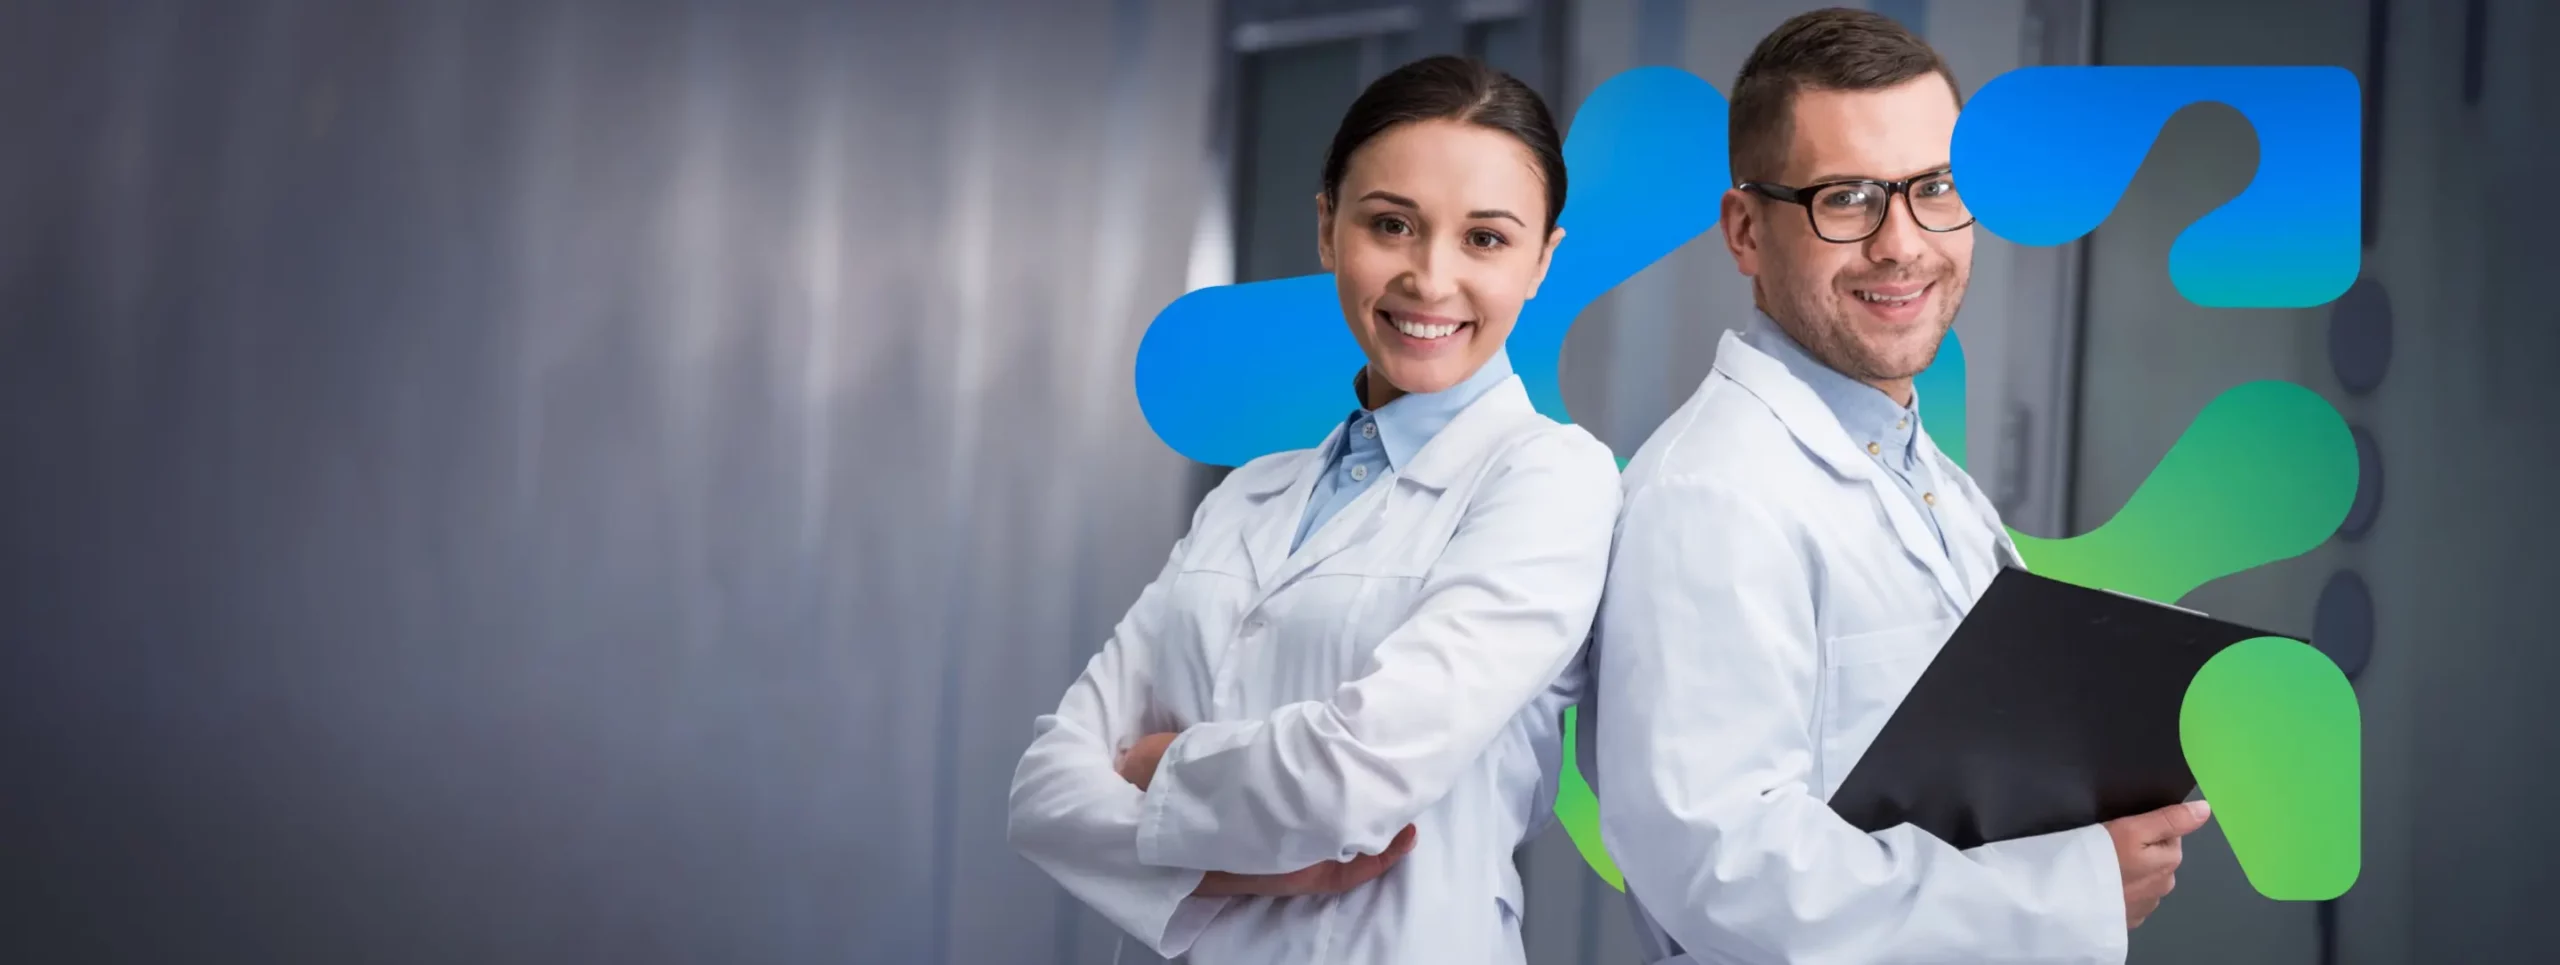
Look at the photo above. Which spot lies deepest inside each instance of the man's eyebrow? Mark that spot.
(1937, 168)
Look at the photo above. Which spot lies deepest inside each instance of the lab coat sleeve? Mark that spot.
(1707, 697)
(1505, 610)
(1076, 818)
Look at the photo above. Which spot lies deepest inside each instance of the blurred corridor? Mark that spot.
(614, 482)
(567, 482)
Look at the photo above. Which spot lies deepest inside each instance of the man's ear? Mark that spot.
(1740, 224)
(1324, 230)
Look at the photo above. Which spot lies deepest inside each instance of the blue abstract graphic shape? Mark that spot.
(2045, 153)
(1940, 392)
(1231, 373)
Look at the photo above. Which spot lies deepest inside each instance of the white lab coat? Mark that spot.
(1773, 597)
(1407, 665)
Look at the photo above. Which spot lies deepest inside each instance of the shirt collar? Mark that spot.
(1871, 417)
(1406, 424)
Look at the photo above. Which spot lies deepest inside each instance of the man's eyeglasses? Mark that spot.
(1846, 212)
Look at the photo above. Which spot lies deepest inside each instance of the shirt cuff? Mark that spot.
(1162, 839)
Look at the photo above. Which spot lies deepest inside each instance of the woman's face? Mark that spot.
(1438, 240)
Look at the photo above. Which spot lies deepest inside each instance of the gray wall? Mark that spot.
(555, 482)
(2457, 695)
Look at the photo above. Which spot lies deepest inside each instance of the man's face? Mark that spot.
(1874, 309)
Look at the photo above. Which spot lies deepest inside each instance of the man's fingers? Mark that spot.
(2157, 828)
(2190, 816)
(2167, 825)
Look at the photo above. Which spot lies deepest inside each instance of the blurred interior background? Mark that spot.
(555, 481)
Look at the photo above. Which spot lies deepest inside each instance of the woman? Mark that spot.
(1323, 729)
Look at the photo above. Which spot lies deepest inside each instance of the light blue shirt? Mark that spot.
(1372, 443)
(1888, 431)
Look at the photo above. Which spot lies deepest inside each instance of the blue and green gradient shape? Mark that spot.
(2264, 473)
(2045, 153)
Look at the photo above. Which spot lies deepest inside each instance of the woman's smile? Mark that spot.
(1418, 334)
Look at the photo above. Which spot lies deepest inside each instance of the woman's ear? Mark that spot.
(1324, 230)
(1738, 224)
(1546, 259)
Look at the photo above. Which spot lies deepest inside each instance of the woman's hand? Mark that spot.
(1138, 764)
(1329, 878)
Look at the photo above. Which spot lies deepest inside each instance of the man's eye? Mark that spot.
(1846, 198)
(1935, 187)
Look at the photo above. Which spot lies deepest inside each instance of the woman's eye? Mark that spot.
(1391, 225)
(1485, 239)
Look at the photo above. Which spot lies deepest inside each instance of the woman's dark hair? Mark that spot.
(1448, 88)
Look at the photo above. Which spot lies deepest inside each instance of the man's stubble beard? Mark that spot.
(1805, 315)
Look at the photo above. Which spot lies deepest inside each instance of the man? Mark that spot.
(1794, 550)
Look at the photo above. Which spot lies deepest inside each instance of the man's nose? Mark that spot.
(1900, 239)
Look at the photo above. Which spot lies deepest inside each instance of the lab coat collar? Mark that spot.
(1413, 420)
(1451, 451)
(1406, 426)
(1818, 429)
(1495, 410)
(1864, 410)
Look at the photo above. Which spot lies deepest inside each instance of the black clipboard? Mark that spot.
(2052, 707)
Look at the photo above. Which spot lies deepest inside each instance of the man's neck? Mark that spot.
(1899, 390)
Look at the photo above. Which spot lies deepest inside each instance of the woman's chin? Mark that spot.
(1425, 376)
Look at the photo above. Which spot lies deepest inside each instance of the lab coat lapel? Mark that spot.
(1267, 537)
(1814, 425)
(2004, 550)
(1481, 424)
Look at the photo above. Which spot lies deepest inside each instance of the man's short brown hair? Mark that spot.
(1834, 49)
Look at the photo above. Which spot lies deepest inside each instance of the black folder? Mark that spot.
(2052, 707)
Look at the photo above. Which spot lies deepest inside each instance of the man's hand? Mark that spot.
(1138, 764)
(2147, 850)
(1329, 878)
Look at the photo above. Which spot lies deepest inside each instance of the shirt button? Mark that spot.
(1873, 449)
(1930, 498)
(1359, 473)
(1902, 423)
(1369, 431)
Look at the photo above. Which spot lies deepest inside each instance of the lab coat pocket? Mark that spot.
(1866, 676)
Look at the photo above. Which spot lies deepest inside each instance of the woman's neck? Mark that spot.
(1376, 392)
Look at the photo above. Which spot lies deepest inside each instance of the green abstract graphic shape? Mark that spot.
(2273, 732)
(2264, 473)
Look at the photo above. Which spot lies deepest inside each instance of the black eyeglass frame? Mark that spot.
(1803, 198)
